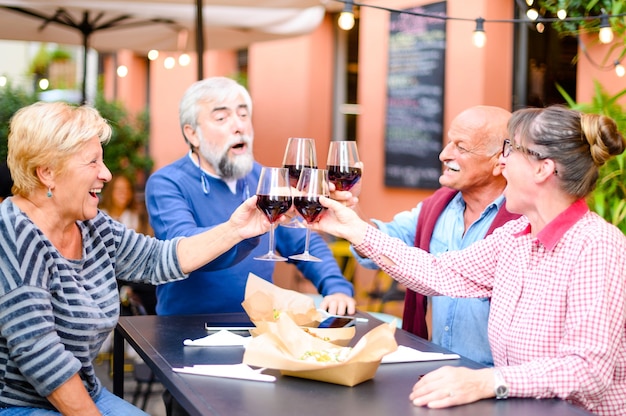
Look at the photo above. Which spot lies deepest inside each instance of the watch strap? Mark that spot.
(501, 389)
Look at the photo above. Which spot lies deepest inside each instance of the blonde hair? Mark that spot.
(47, 135)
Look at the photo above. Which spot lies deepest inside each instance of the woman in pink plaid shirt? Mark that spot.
(556, 276)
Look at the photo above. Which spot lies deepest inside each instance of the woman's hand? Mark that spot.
(340, 221)
(451, 386)
(248, 220)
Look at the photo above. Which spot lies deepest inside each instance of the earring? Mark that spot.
(49, 193)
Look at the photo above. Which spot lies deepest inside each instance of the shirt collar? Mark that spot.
(495, 204)
(555, 229)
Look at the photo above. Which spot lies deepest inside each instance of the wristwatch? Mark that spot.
(501, 388)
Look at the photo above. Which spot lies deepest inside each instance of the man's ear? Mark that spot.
(190, 135)
(497, 167)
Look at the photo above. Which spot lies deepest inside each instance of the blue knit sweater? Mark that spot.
(56, 312)
(179, 205)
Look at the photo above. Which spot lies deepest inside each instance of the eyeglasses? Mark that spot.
(507, 148)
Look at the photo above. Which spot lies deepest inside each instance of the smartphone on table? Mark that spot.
(336, 321)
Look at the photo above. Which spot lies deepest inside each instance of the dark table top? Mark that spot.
(159, 341)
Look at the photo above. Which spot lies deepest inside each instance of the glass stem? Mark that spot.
(272, 238)
(306, 241)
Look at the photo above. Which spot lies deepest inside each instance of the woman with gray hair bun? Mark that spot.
(556, 276)
(60, 257)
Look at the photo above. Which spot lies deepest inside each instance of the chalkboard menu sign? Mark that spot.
(414, 123)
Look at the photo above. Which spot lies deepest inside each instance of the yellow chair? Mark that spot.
(347, 263)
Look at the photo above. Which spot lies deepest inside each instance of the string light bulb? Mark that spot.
(532, 14)
(479, 36)
(346, 17)
(122, 71)
(529, 2)
(184, 59)
(606, 33)
(620, 71)
(169, 62)
(153, 54)
(561, 14)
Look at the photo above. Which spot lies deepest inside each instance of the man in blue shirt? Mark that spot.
(204, 187)
(467, 209)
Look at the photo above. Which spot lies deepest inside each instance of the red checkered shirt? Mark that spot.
(557, 325)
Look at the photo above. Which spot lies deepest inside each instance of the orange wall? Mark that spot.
(605, 56)
(131, 89)
(291, 86)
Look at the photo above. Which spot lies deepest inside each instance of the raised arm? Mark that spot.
(246, 222)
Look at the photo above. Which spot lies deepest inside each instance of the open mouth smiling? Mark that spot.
(452, 167)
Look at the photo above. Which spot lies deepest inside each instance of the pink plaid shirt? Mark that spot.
(557, 326)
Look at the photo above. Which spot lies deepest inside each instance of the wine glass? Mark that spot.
(312, 184)
(343, 164)
(273, 199)
(299, 153)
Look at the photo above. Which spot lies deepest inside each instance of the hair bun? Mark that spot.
(603, 137)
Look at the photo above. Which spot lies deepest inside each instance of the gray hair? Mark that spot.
(214, 89)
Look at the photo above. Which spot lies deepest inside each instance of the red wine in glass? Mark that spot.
(299, 154)
(274, 199)
(312, 184)
(294, 173)
(273, 206)
(309, 207)
(343, 164)
(344, 177)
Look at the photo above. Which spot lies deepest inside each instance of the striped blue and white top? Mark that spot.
(55, 312)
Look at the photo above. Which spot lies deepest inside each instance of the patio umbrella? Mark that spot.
(138, 25)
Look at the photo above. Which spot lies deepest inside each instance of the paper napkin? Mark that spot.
(239, 371)
(406, 354)
(221, 338)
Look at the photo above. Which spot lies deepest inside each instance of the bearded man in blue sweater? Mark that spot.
(203, 188)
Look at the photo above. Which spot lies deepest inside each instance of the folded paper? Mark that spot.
(406, 354)
(221, 338)
(238, 371)
(265, 302)
(284, 345)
